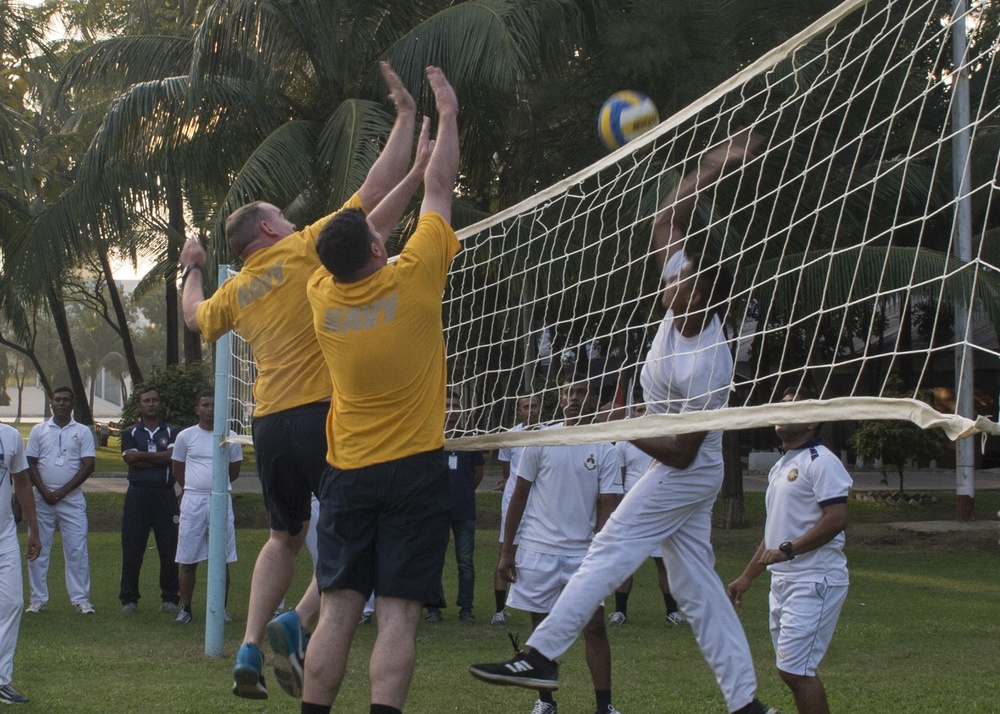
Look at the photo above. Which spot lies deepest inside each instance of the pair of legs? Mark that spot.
(672, 512)
(464, 533)
(70, 517)
(149, 508)
(384, 528)
(624, 590)
(187, 573)
(803, 616)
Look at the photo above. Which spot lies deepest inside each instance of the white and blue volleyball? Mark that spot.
(625, 116)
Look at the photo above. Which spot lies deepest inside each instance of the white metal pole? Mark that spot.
(962, 247)
(215, 602)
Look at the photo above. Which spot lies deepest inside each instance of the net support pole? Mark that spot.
(215, 602)
(962, 247)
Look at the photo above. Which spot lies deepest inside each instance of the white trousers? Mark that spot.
(70, 516)
(673, 512)
(11, 604)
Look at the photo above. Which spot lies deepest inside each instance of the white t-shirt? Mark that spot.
(798, 486)
(566, 481)
(59, 450)
(688, 374)
(635, 461)
(194, 448)
(14, 461)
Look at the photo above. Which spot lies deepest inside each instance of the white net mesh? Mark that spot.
(840, 233)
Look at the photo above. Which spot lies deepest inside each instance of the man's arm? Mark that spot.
(439, 178)
(832, 522)
(670, 226)
(515, 512)
(389, 168)
(178, 469)
(35, 477)
(193, 287)
(148, 459)
(742, 584)
(606, 504)
(677, 450)
(234, 470)
(26, 499)
(387, 213)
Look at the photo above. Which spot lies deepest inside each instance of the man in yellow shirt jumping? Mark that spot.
(385, 505)
(265, 303)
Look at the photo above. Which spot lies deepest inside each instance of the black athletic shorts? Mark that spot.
(385, 527)
(290, 447)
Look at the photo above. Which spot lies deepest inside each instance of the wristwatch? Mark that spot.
(189, 268)
(786, 548)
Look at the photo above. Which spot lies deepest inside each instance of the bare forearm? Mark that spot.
(386, 215)
(832, 522)
(26, 499)
(391, 165)
(193, 294)
(677, 450)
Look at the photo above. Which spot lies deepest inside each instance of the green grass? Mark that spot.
(918, 633)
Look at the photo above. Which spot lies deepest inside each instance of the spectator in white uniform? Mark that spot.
(573, 490)
(192, 456)
(13, 481)
(61, 457)
(803, 547)
(635, 462)
(529, 408)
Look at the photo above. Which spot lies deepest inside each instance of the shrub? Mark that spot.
(178, 388)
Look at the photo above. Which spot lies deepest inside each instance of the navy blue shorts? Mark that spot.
(290, 447)
(385, 527)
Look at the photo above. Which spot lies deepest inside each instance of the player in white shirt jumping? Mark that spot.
(192, 469)
(803, 547)
(573, 490)
(688, 368)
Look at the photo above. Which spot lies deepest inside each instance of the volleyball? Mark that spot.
(625, 116)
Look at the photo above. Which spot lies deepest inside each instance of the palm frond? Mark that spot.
(348, 146)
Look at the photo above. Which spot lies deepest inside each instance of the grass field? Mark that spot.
(919, 633)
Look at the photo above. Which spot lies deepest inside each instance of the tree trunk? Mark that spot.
(134, 371)
(82, 411)
(175, 217)
(734, 512)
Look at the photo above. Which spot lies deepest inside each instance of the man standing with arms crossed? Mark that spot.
(150, 502)
(385, 504)
(803, 547)
(688, 368)
(13, 472)
(266, 304)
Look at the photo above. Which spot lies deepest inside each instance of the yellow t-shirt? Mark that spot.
(383, 342)
(265, 303)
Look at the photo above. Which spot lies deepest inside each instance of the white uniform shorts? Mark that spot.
(803, 618)
(541, 577)
(192, 532)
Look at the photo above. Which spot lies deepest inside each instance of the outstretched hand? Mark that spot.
(425, 147)
(444, 94)
(192, 253)
(400, 96)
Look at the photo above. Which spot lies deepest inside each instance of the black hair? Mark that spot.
(713, 281)
(60, 390)
(148, 388)
(204, 393)
(343, 244)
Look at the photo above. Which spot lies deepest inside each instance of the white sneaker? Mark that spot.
(226, 617)
(500, 619)
(676, 618)
(85, 608)
(617, 619)
(35, 607)
(543, 707)
(610, 710)
(183, 616)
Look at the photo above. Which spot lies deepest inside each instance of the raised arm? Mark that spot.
(439, 178)
(192, 287)
(390, 167)
(670, 226)
(386, 214)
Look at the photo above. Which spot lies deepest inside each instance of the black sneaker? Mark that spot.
(540, 674)
(9, 695)
(757, 707)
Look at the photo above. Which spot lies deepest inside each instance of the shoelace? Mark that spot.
(514, 642)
